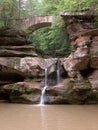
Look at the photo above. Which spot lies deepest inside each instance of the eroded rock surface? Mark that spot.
(14, 43)
(22, 92)
(78, 71)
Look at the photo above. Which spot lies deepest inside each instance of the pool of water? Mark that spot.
(48, 117)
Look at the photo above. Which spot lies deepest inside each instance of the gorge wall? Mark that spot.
(22, 71)
(81, 86)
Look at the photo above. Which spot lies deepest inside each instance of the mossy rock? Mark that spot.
(76, 92)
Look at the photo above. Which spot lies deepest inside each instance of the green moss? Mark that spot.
(83, 82)
(27, 79)
(20, 95)
(62, 100)
(69, 85)
(92, 99)
(15, 87)
(19, 99)
(76, 91)
(96, 21)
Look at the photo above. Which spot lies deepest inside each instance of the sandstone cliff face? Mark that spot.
(78, 71)
(13, 47)
(14, 43)
(84, 39)
(81, 65)
(21, 70)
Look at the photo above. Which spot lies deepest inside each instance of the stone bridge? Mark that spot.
(35, 22)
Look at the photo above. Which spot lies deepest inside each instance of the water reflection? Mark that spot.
(53, 117)
(43, 118)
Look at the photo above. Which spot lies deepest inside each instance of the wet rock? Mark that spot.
(28, 66)
(74, 91)
(22, 92)
(69, 92)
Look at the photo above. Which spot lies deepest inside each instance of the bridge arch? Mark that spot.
(36, 22)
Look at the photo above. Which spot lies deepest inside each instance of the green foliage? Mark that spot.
(11, 10)
(48, 41)
(55, 6)
(52, 41)
(95, 22)
(8, 13)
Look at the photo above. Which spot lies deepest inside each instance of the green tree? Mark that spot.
(11, 10)
(51, 41)
(54, 40)
(8, 12)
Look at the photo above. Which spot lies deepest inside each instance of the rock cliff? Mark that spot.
(78, 71)
(81, 86)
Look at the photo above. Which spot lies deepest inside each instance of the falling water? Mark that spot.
(42, 99)
(58, 71)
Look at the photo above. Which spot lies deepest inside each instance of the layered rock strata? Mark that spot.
(13, 47)
(14, 43)
(81, 66)
(78, 71)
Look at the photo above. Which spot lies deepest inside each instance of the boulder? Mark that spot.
(22, 92)
(76, 61)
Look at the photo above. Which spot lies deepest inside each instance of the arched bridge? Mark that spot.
(35, 22)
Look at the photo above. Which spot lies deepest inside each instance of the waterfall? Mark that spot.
(42, 99)
(58, 71)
